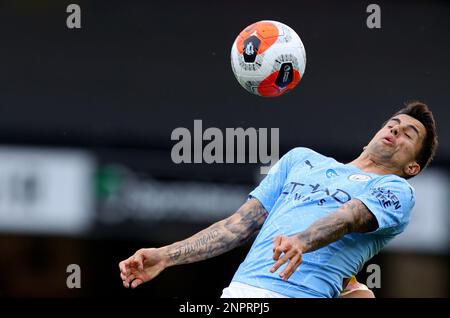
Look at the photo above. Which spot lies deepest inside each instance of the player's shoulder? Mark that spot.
(394, 181)
(392, 178)
(304, 151)
(306, 155)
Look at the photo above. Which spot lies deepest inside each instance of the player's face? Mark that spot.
(399, 142)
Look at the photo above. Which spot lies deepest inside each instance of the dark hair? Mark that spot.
(422, 113)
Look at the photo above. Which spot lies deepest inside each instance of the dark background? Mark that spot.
(137, 70)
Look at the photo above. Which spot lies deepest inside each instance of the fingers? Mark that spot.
(128, 269)
(277, 241)
(277, 247)
(132, 282)
(136, 283)
(129, 278)
(123, 267)
(281, 261)
(281, 245)
(137, 263)
(124, 273)
(286, 245)
(294, 263)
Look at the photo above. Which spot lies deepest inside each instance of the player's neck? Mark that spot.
(371, 164)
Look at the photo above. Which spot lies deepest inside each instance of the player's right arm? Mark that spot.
(217, 239)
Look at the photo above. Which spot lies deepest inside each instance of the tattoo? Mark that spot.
(352, 216)
(250, 220)
(221, 236)
(175, 255)
(190, 248)
(363, 220)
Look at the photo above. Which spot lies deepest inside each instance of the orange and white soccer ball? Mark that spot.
(268, 58)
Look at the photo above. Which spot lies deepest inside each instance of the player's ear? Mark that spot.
(411, 169)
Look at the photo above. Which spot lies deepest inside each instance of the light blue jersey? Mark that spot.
(304, 186)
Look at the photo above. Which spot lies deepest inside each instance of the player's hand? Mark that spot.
(141, 267)
(292, 250)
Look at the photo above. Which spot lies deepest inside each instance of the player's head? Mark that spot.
(407, 140)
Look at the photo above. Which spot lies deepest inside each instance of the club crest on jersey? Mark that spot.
(359, 177)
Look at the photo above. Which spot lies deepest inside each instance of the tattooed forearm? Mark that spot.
(191, 247)
(352, 216)
(247, 221)
(221, 236)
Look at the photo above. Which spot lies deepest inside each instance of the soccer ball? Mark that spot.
(268, 58)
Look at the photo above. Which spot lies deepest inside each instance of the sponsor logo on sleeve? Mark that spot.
(386, 198)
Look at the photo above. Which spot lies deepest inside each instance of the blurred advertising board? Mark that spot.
(46, 191)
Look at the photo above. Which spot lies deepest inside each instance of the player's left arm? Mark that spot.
(353, 216)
